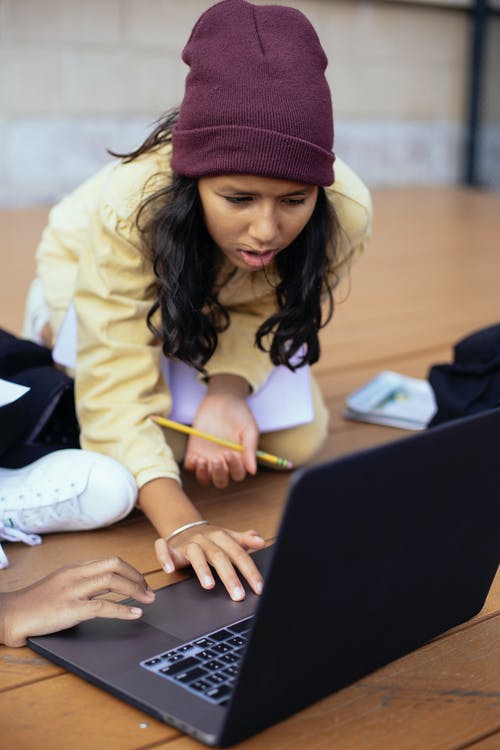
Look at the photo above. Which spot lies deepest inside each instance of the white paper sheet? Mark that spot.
(10, 392)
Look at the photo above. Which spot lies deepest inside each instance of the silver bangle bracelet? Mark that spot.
(184, 528)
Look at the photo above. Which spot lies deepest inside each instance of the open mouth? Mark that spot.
(255, 259)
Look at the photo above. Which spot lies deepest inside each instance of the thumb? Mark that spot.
(249, 440)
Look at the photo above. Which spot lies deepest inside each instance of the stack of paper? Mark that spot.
(394, 400)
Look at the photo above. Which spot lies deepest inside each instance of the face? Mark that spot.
(252, 219)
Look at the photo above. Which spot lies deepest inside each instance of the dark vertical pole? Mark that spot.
(478, 35)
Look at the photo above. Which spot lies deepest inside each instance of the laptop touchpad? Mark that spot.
(186, 610)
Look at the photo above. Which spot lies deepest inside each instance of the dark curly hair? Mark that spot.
(186, 263)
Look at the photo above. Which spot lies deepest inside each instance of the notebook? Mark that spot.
(285, 399)
(406, 545)
(393, 400)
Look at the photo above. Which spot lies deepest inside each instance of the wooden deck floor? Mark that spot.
(431, 275)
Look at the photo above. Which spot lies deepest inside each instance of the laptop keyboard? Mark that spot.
(207, 665)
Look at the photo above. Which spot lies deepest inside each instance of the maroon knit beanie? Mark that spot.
(256, 99)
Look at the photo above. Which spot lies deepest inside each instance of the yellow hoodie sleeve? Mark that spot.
(118, 378)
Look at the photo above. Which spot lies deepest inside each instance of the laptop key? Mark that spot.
(180, 666)
(222, 691)
(152, 662)
(173, 657)
(206, 654)
(213, 665)
(191, 675)
(221, 635)
(203, 642)
(222, 648)
(241, 627)
(228, 658)
(217, 678)
(237, 641)
(200, 685)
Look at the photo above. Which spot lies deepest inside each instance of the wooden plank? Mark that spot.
(20, 232)
(65, 712)
(418, 285)
(20, 666)
(487, 743)
(444, 696)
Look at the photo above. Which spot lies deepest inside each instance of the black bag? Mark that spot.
(44, 419)
(472, 383)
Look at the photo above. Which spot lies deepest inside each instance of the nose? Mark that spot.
(264, 228)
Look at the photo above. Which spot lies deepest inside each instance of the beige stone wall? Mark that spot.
(77, 77)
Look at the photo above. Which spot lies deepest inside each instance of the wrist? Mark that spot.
(166, 505)
(8, 634)
(227, 383)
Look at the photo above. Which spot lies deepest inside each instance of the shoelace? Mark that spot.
(11, 534)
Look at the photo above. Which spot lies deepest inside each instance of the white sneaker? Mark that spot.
(67, 490)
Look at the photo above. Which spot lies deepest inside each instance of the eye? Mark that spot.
(238, 199)
(294, 201)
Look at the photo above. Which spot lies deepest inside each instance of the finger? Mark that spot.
(219, 473)
(196, 556)
(235, 466)
(223, 566)
(105, 583)
(249, 439)
(242, 560)
(190, 460)
(105, 608)
(163, 555)
(115, 564)
(248, 539)
(110, 574)
(202, 472)
(233, 555)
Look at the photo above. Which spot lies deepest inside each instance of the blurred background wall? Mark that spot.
(79, 77)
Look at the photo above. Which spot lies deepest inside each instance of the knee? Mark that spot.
(110, 493)
(300, 444)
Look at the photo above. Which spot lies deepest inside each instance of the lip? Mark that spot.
(257, 258)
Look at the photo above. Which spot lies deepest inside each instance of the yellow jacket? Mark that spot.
(91, 252)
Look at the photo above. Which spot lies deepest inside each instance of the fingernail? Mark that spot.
(135, 611)
(238, 593)
(257, 587)
(150, 593)
(208, 582)
(168, 568)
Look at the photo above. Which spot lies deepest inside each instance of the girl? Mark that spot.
(217, 242)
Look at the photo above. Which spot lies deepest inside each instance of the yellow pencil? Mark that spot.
(282, 463)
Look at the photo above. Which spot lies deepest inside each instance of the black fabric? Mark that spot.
(44, 419)
(471, 383)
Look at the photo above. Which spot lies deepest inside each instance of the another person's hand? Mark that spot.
(223, 549)
(67, 596)
(224, 412)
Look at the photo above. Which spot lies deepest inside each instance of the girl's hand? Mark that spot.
(223, 549)
(66, 597)
(224, 412)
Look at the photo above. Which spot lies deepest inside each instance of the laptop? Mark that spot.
(378, 552)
